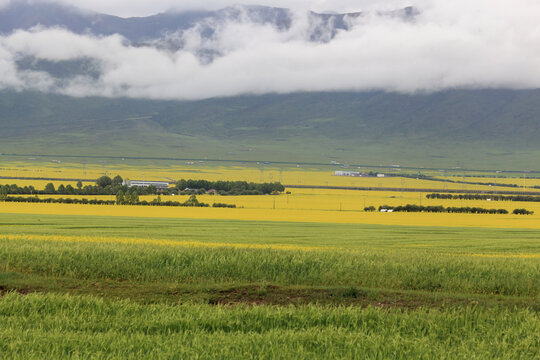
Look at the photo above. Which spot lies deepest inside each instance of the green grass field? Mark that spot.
(86, 287)
(84, 327)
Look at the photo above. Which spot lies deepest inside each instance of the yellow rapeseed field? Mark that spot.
(40, 184)
(293, 215)
(163, 242)
(247, 172)
(301, 205)
(328, 199)
(203, 244)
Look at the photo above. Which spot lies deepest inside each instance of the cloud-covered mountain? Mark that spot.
(35, 36)
(255, 50)
(418, 85)
(173, 31)
(26, 15)
(427, 47)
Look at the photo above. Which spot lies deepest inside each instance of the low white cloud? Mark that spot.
(458, 44)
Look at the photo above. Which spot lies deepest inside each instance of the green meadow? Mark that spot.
(96, 287)
(59, 326)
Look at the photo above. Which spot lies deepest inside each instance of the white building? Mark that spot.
(347, 173)
(158, 184)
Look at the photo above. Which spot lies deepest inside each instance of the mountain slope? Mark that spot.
(475, 128)
(498, 128)
(25, 15)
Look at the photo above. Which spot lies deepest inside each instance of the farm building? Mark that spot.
(158, 184)
(347, 173)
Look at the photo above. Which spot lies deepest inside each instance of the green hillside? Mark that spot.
(485, 129)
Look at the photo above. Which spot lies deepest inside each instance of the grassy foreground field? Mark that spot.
(82, 286)
(81, 327)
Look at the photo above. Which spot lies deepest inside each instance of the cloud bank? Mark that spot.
(458, 44)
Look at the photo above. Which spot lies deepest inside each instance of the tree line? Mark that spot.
(112, 186)
(529, 198)
(442, 209)
(103, 186)
(120, 200)
(229, 187)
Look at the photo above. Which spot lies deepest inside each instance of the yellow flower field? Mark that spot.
(204, 244)
(40, 184)
(163, 242)
(301, 205)
(328, 199)
(292, 215)
(246, 172)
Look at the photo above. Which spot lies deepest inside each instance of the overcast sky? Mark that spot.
(451, 44)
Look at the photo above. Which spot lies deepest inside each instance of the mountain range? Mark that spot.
(166, 30)
(28, 14)
(493, 128)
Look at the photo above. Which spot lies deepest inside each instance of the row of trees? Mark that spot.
(230, 187)
(35, 199)
(128, 199)
(104, 186)
(107, 186)
(528, 198)
(442, 209)
(522, 212)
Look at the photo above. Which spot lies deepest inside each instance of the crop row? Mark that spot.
(404, 269)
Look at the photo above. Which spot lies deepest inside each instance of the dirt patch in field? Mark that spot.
(266, 295)
(4, 290)
(256, 294)
(275, 295)
(284, 296)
